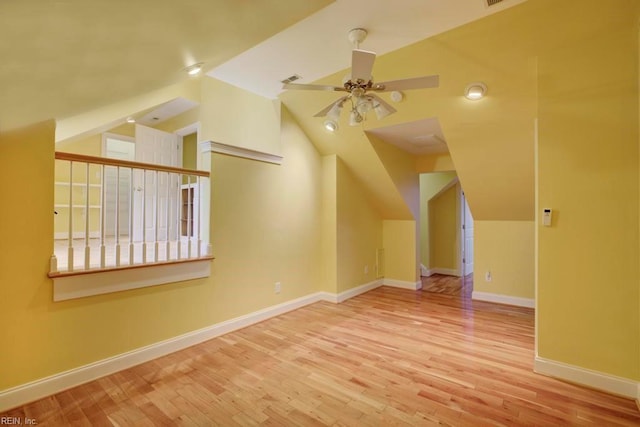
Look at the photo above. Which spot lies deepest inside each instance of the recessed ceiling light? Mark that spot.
(194, 69)
(131, 120)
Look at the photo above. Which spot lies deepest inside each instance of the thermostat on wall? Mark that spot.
(546, 217)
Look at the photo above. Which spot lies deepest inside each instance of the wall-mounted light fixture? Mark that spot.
(475, 91)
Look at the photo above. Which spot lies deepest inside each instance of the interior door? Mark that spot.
(121, 148)
(156, 193)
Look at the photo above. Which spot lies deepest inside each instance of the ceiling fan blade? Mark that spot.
(325, 110)
(362, 65)
(406, 84)
(313, 87)
(384, 103)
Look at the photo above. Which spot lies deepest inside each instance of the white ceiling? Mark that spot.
(318, 46)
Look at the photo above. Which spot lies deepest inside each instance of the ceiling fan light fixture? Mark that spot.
(355, 118)
(381, 111)
(475, 91)
(334, 112)
(363, 105)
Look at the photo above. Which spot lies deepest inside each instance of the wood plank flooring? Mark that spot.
(387, 357)
(448, 285)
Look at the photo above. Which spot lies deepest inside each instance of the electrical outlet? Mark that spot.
(366, 269)
(278, 287)
(487, 276)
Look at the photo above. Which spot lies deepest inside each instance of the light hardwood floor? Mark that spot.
(387, 357)
(448, 285)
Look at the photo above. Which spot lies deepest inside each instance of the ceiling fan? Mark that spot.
(361, 89)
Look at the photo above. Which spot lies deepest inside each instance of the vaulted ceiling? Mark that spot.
(63, 57)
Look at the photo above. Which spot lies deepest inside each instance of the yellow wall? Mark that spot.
(588, 278)
(190, 151)
(441, 162)
(266, 226)
(329, 239)
(444, 217)
(399, 240)
(400, 166)
(359, 232)
(430, 185)
(506, 249)
(256, 118)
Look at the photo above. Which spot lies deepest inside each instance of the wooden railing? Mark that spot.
(113, 213)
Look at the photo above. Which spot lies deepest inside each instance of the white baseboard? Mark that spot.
(353, 292)
(414, 286)
(25, 393)
(594, 379)
(503, 299)
(38, 389)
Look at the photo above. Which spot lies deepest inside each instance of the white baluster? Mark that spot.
(179, 218)
(199, 235)
(156, 219)
(53, 264)
(87, 249)
(144, 216)
(189, 215)
(103, 219)
(131, 192)
(167, 209)
(117, 231)
(70, 249)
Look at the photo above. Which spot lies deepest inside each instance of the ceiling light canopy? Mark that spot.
(475, 91)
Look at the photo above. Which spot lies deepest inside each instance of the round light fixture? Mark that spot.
(475, 91)
(131, 120)
(331, 125)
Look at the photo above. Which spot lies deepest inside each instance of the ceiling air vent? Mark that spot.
(493, 2)
(291, 79)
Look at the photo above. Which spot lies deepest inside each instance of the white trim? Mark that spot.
(353, 292)
(44, 387)
(38, 389)
(598, 380)
(189, 129)
(414, 286)
(245, 153)
(107, 281)
(503, 299)
(444, 271)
